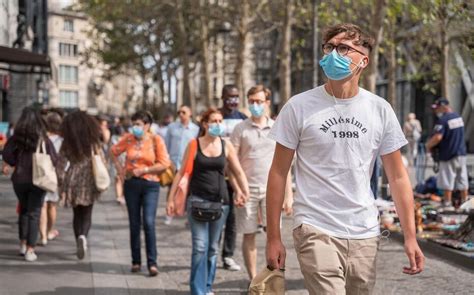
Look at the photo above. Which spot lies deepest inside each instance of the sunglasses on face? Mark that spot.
(181, 112)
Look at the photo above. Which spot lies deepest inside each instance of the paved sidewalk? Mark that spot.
(106, 269)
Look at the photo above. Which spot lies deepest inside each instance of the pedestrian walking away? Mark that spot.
(48, 231)
(146, 158)
(448, 138)
(337, 130)
(178, 135)
(255, 152)
(232, 116)
(208, 197)
(412, 130)
(29, 134)
(77, 187)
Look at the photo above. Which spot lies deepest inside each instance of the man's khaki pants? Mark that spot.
(335, 266)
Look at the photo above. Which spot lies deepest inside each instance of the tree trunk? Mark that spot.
(285, 54)
(241, 68)
(392, 75)
(444, 60)
(206, 53)
(145, 87)
(378, 17)
(188, 97)
(160, 81)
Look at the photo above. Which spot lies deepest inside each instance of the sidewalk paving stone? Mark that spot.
(106, 269)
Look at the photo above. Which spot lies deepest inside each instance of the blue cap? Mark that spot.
(440, 102)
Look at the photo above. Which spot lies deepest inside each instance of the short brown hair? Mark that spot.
(53, 122)
(353, 32)
(259, 88)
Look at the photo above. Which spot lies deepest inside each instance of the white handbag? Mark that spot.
(101, 175)
(44, 173)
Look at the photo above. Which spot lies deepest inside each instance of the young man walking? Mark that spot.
(255, 151)
(448, 136)
(337, 130)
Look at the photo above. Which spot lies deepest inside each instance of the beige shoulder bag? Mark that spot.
(101, 175)
(44, 173)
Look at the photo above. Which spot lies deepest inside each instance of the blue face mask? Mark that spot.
(137, 131)
(215, 129)
(257, 110)
(336, 67)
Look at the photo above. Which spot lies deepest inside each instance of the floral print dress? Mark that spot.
(76, 182)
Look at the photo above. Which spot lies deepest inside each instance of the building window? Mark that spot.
(68, 74)
(68, 25)
(68, 99)
(66, 49)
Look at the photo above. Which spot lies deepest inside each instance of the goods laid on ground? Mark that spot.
(448, 226)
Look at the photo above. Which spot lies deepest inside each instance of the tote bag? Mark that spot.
(101, 175)
(44, 173)
(183, 184)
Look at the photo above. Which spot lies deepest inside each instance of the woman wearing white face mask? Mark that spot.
(208, 190)
(146, 158)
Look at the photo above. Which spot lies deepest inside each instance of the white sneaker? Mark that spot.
(168, 220)
(210, 293)
(81, 247)
(30, 256)
(22, 249)
(230, 264)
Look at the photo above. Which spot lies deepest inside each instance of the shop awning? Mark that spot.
(39, 63)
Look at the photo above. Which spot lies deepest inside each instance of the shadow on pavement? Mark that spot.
(104, 291)
(24, 267)
(293, 285)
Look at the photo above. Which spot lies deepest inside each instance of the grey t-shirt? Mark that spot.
(255, 151)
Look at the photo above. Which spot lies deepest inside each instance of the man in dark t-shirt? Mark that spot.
(448, 136)
(232, 117)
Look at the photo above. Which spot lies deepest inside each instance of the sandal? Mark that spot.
(135, 268)
(53, 234)
(153, 270)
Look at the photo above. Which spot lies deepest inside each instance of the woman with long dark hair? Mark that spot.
(77, 189)
(18, 152)
(208, 187)
(146, 158)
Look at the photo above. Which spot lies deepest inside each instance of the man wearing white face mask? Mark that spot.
(337, 131)
(255, 151)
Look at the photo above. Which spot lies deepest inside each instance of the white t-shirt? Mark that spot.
(336, 143)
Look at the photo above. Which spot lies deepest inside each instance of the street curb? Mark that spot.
(452, 256)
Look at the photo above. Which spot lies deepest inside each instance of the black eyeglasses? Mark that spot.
(342, 49)
(181, 112)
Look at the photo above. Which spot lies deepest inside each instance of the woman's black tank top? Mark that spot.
(208, 180)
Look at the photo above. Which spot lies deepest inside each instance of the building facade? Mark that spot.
(78, 81)
(24, 63)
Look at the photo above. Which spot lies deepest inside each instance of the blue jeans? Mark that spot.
(142, 194)
(205, 239)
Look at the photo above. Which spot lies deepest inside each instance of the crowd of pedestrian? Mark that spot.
(231, 159)
(231, 174)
